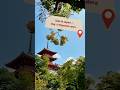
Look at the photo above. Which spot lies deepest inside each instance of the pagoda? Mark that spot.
(22, 63)
(50, 55)
(25, 62)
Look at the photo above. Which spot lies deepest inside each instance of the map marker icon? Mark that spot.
(79, 32)
(108, 16)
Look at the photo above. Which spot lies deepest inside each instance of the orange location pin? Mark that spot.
(79, 32)
(108, 16)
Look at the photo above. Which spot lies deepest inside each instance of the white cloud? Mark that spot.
(69, 58)
(57, 56)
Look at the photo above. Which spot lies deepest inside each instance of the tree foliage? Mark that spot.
(8, 81)
(89, 81)
(70, 76)
(47, 79)
(56, 5)
(60, 40)
(110, 81)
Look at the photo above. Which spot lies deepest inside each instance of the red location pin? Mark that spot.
(108, 16)
(79, 32)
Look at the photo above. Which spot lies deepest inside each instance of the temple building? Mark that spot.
(50, 55)
(24, 63)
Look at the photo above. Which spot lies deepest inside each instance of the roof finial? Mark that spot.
(47, 44)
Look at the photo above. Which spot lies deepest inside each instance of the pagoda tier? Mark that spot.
(22, 60)
(52, 66)
(48, 53)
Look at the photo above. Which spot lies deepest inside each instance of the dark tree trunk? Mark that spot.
(56, 5)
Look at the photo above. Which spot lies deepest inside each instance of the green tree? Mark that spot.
(8, 81)
(41, 64)
(76, 5)
(53, 81)
(110, 81)
(89, 82)
(45, 80)
(26, 80)
(40, 83)
(41, 70)
(72, 75)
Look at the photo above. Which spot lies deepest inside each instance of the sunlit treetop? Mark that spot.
(63, 7)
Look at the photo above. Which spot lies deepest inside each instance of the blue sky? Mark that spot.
(75, 46)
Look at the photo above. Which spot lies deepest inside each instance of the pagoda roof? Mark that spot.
(46, 51)
(21, 60)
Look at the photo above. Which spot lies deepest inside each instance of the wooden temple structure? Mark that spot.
(49, 54)
(22, 63)
(26, 62)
